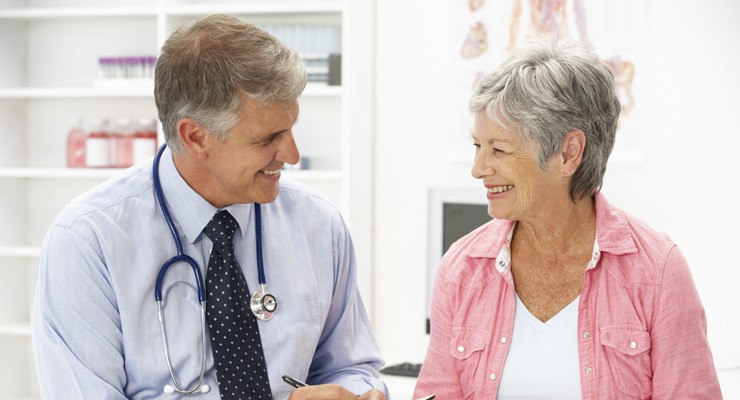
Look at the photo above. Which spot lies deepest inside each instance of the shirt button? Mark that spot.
(633, 345)
(503, 339)
(586, 334)
(589, 370)
(502, 263)
(493, 377)
(460, 349)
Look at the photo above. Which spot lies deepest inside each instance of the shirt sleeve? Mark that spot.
(347, 353)
(438, 372)
(681, 358)
(76, 330)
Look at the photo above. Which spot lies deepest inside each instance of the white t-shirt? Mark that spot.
(542, 362)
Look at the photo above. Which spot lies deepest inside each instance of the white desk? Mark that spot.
(400, 387)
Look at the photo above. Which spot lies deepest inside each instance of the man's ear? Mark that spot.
(574, 145)
(194, 138)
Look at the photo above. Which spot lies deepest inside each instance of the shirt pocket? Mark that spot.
(628, 354)
(466, 347)
(292, 320)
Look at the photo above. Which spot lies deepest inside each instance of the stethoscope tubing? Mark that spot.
(263, 304)
(260, 262)
(181, 256)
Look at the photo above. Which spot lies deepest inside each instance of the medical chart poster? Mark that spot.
(484, 32)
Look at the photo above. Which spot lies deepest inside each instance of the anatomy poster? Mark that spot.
(484, 32)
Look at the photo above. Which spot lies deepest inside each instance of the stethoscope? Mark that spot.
(262, 304)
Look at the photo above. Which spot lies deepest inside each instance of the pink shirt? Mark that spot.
(641, 325)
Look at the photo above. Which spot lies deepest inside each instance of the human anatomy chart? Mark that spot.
(485, 32)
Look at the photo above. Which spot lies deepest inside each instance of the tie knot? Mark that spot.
(221, 228)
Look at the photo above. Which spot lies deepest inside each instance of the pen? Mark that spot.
(296, 384)
(293, 381)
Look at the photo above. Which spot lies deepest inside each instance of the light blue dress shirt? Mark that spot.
(96, 333)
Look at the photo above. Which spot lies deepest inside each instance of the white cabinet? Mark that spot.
(50, 54)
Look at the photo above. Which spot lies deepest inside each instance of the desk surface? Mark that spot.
(400, 387)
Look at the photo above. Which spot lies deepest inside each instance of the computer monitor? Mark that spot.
(453, 213)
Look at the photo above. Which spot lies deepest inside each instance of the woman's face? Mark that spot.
(518, 189)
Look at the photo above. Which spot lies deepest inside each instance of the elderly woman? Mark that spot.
(561, 295)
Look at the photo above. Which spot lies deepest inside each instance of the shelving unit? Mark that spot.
(50, 58)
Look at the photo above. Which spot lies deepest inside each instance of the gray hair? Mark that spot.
(548, 88)
(207, 65)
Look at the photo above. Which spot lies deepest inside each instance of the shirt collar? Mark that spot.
(503, 259)
(613, 235)
(188, 209)
(612, 229)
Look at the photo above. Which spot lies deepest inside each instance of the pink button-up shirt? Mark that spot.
(641, 325)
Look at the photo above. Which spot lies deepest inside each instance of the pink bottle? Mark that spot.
(121, 138)
(97, 145)
(144, 142)
(76, 146)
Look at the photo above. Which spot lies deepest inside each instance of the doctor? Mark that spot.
(226, 94)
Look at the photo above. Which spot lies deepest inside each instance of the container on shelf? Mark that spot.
(144, 142)
(120, 143)
(76, 146)
(97, 145)
(125, 72)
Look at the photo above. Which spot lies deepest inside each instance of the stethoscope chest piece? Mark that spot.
(263, 305)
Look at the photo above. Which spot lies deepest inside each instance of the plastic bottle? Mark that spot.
(97, 145)
(76, 146)
(144, 142)
(120, 143)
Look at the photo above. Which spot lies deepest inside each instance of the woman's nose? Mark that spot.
(481, 167)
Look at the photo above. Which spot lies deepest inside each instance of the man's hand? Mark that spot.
(333, 392)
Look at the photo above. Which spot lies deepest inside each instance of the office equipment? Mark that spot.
(403, 369)
(453, 213)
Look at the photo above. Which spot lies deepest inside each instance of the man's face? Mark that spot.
(245, 168)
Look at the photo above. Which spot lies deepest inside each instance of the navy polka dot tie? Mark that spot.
(235, 337)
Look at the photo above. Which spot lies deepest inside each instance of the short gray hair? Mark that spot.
(548, 88)
(209, 64)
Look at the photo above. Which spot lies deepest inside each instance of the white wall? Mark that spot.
(687, 186)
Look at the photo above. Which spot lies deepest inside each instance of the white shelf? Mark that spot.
(76, 173)
(20, 251)
(322, 89)
(312, 175)
(80, 92)
(261, 7)
(312, 89)
(21, 172)
(77, 12)
(15, 330)
(265, 7)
